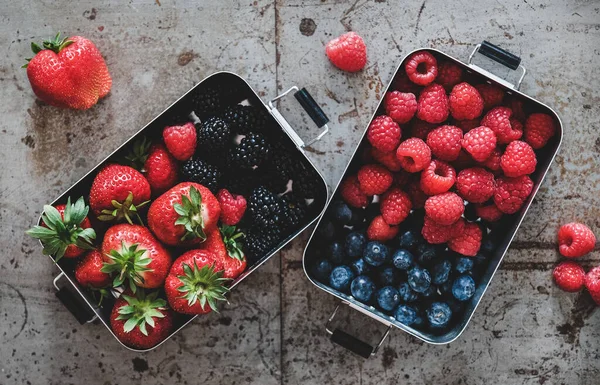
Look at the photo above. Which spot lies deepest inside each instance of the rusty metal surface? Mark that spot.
(524, 332)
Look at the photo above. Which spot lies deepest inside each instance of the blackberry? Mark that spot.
(274, 180)
(258, 243)
(265, 208)
(294, 211)
(305, 182)
(252, 151)
(282, 161)
(213, 135)
(206, 102)
(245, 119)
(199, 171)
(240, 182)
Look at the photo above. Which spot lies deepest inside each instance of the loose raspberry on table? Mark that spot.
(400, 106)
(468, 241)
(438, 177)
(436, 233)
(488, 212)
(420, 129)
(449, 75)
(379, 230)
(414, 154)
(511, 193)
(445, 142)
(467, 125)
(432, 105)
(492, 95)
(352, 194)
(388, 159)
(539, 128)
(518, 159)
(417, 196)
(395, 206)
(421, 68)
(384, 134)
(480, 142)
(569, 276)
(592, 283)
(465, 102)
(475, 185)
(575, 240)
(493, 161)
(347, 52)
(374, 179)
(445, 208)
(498, 119)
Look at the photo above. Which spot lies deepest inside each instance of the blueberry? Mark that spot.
(360, 267)
(446, 288)
(463, 265)
(375, 253)
(355, 244)
(322, 269)
(388, 298)
(406, 293)
(463, 288)
(403, 259)
(337, 253)
(358, 217)
(362, 288)
(429, 293)
(419, 322)
(488, 245)
(386, 276)
(426, 254)
(410, 240)
(419, 279)
(439, 314)
(441, 272)
(405, 314)
(340, 278)
(326, 230)
(341, 213)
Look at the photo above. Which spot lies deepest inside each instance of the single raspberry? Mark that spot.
(445, 142)
(444, 208)
(403, 84)
(575, 240)
(378, 230)
(388, 159)
(480, 142)
(384, 134)
(569, 276)
(402, 178)
(417, 196)
(516, 105)
(592, 283)
(180, 140)
(539, 128)
(438, 177)
(511, 193)
(518, 159)
(492, 95)
(374, 179)
(420, 129)
(488, 212)
(458, 227)
(233, 207)
(465, 102)
(399, 106)
(421, 68)
(347, 52)
(449, 75)
(475, 185)
(395, 206)
(433, 104)
(468, 241)
(352, 194)
(413, 154)
(463, 161)
(435, 233)
(467, 125)
(493, 161)
(498, 120)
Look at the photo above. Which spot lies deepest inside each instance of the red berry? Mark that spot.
(468, 241)
(465, 102)
(511, 193)
(403, 84)
(433, 104)
(352, 194)
(379, 230)
(463, 161)
(569, 276)
(399, 106)
(516, 105)
(539, 128)
(395, 206)
(436, 233)
(421, 129)
(233, 207)
(180, 140)
(492, 95)
(413, 154)
(374, 179)
(421, 68)
(445, 142)
(575, 240)
(499, 121)
(518, 159)
(488, 212)
(449, 75)
(402, 178)
(384, 134)
(160, 169)
(388, 159)
(347, 52)
(592, 283)
(417, 196)
(437, 178)
(475, 185)
(493, 161)
(467, 125)
(480, 142)
(444, 208)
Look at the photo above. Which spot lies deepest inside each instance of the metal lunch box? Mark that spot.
(79, 301)
(508, 229)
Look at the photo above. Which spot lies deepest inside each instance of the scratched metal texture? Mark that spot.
(525, 330)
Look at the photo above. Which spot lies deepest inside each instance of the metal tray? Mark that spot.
(508, 228)
(79, 301)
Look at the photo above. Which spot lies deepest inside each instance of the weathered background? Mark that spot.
(525, 330)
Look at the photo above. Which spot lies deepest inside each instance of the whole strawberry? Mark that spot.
(181, 140)
(233, 207)
(224, 242)
(569, 276)
(68, 73)
(433, 104)
(575, 240)
(465, 102)
(347, 52)
(379, 230)
(399, 106)
(384, 134)
(518, 159)
(395, 206)
(592, 283)
(88, 271)
(156, 163)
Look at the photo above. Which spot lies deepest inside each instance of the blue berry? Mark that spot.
(360, 267)
(441, 272)
(488, 245)
(355, 244)
(419, 322)
(463, 288)
(419, 279)
(439, 314)
(405, 314)
(322, 270)
(358, 217)
(387, 276)
(426, 254)
(406, 293)
(337, 253)
(410, 240)
(429, 293)
(446, 288)
(326, 230)
(388, 298)
(340, 278)
(463, 265)
(375, 253)
(362, 288)
(341, 213)
(403, 259)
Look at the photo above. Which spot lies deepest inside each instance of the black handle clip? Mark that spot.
(501, 56)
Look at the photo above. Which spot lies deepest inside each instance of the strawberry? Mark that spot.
(141, 321)
(134, 256)
(156, 163)
(223, 242)
(88, 271)
(233, 207)
(65, 230)
(118, 192)
(68, 73)
(195, 282)
(181, 140)
(183, 215)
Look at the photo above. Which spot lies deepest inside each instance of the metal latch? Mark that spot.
(501, 56)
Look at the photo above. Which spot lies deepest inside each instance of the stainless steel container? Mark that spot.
(509, 228)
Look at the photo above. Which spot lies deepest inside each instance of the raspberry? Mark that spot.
(592, 283)
(539, 128)
(233, 207)
(433, 104)
(458, 227)
(421, 68)
(384, 134)
(395, 206)
(493, 161)
(403, 84)
(516, 106)
(444, 208)
(413, 154)
(467, 125)
(388, 159)
(417, 196)
(511, 193)
(435, 233)
(437, 178)
(575, 240)
(488, 212)
(352, 194)
(498, 120)
(378, 230)
(445, 142)
(475, 185)
(518, 159)
(468, 241)
(374, 179)
(480, 142)
(347, 52)
(463, 161)
(449, 75)
(569, 276)
(492, 95)
(421, 129)
(180, 140)
(465, 102)
(401, 178)
(401, 107)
